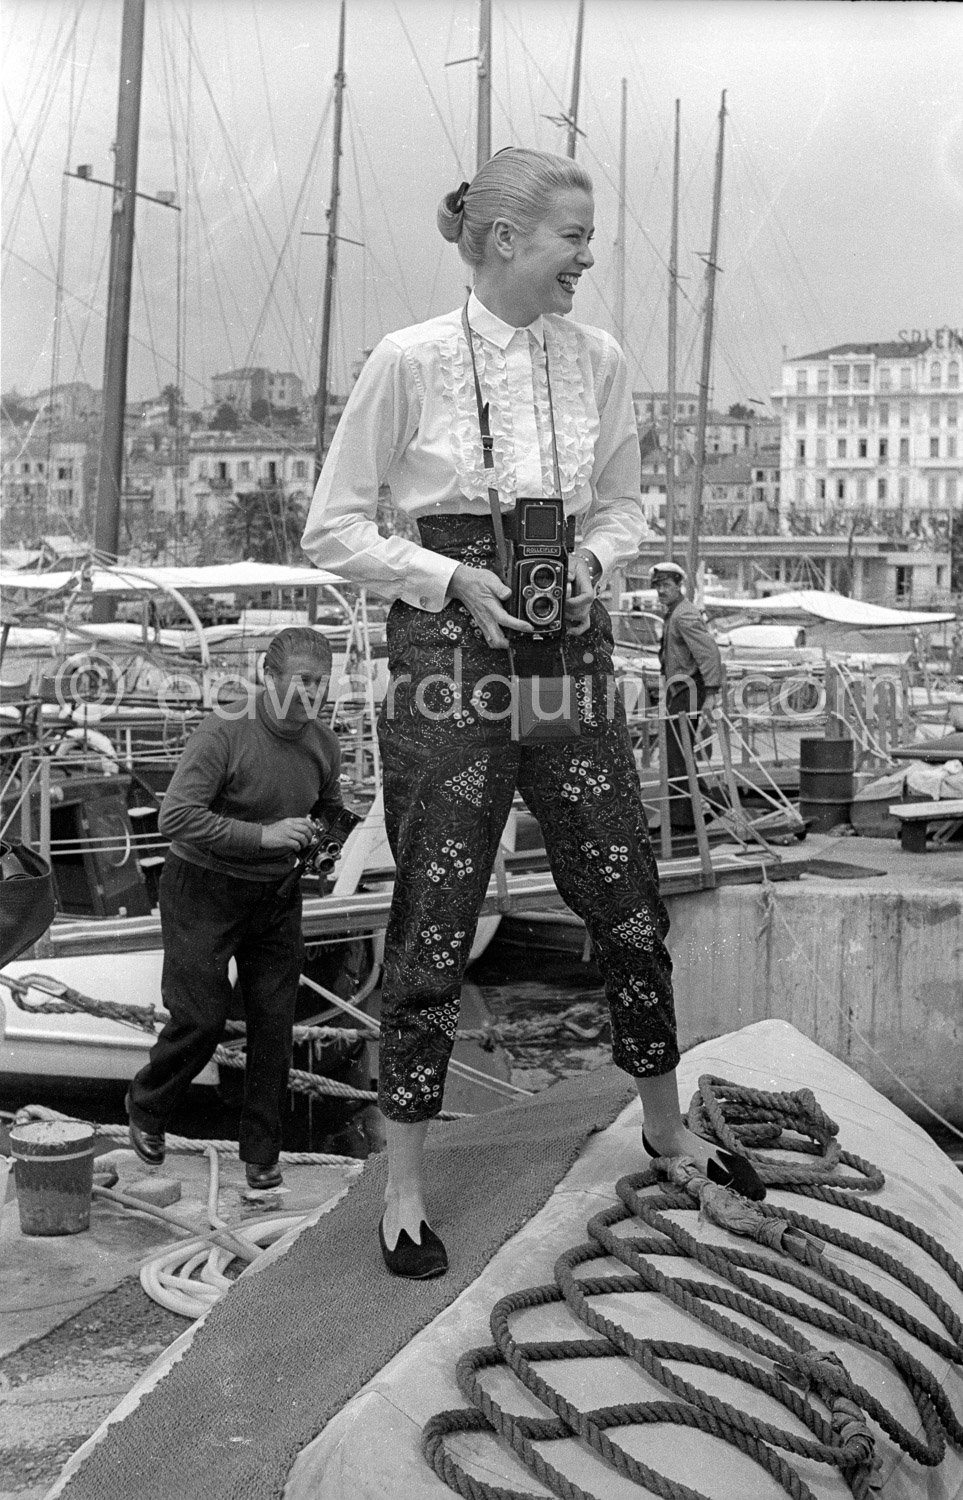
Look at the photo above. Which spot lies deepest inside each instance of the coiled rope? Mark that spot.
(814, 1387)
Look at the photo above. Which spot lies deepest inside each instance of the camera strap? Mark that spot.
(488, 444)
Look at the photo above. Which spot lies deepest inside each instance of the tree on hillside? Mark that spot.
(265, 526)
(742, 412)
(175, 400)
(16, 408)
(225, 419)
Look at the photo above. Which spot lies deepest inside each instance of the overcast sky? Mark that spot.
(842, 197)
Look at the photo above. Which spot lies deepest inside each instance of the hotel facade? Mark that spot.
(871, 434)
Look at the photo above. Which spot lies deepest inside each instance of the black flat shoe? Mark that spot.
(417, 1262)
(150, 1145)
(261, 1179)
(734, 1172)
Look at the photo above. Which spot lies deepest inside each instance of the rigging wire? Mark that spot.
(91, 306)
(431, 95)
(61, 254)
(50, 72)
(152, 342)
(290, 234)
(466, 133)
(769, 200)
(267, 100)
(507, 74)
(362, 233)
(251, 207)
(398, 280)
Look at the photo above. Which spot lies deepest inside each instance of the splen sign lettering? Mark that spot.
(937, 338)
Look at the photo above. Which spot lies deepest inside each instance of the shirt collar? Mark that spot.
(491, 327)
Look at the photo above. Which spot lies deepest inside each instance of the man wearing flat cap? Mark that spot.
(693, 673)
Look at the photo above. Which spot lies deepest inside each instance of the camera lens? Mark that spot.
(544, 576)
(542, 609)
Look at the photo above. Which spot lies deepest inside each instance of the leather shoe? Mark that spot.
(150, 1145)
(730, 1171)
(418, 1262)
(262, 1178)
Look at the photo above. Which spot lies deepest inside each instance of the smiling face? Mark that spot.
(551, 259)
(539, 271)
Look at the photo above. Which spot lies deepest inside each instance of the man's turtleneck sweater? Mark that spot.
(238, 774)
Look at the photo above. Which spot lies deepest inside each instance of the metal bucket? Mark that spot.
(826, 782)
(54, 1173)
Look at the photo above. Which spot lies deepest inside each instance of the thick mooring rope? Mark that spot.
(814, 1387)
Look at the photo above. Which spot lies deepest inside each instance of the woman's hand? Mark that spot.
(287, 836)
(481, 591)
(578, 605)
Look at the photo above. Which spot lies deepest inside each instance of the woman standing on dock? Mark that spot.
(556, 396)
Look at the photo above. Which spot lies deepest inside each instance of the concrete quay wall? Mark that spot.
(874, 974)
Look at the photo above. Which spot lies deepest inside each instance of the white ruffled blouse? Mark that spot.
(411, 422)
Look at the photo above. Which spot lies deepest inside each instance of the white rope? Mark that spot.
(182, 1143)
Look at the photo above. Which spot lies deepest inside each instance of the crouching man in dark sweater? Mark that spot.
(237, 813)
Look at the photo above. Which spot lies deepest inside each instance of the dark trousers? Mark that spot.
(206, 920)
(450, 770)
(681, 815)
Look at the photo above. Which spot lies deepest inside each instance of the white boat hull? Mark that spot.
(79, 1045)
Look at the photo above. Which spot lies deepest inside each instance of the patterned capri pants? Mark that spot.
(450, 771)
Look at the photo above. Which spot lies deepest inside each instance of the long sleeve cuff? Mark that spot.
(603, 549)
(427, 584)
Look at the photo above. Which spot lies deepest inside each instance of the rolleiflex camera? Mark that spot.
(539, 540)
(322, 852)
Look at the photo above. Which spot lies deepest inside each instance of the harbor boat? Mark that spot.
(605, 1329)
(89, 743)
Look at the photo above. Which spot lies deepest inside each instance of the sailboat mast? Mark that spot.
(673, 330)
(111, 464)
(484, 143)
(576, 83)
(620, 232)
(332, 256)
(711, 266)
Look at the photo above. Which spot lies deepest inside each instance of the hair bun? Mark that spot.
(451, 213)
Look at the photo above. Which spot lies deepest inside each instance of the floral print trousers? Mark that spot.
(450, 771)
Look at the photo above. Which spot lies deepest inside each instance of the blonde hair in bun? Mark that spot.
(516, 184)
(451, 214)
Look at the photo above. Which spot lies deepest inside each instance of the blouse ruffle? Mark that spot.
(575, 411)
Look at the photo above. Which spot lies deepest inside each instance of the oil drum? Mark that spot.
(826, 782)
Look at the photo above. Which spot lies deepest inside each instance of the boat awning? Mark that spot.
(219, 578)
(822, 604)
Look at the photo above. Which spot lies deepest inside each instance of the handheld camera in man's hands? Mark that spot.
(327, 841)
(323, 850)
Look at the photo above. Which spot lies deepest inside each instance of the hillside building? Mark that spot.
(48, 480)
(223, 465)
(243, 388)
(74, 402)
